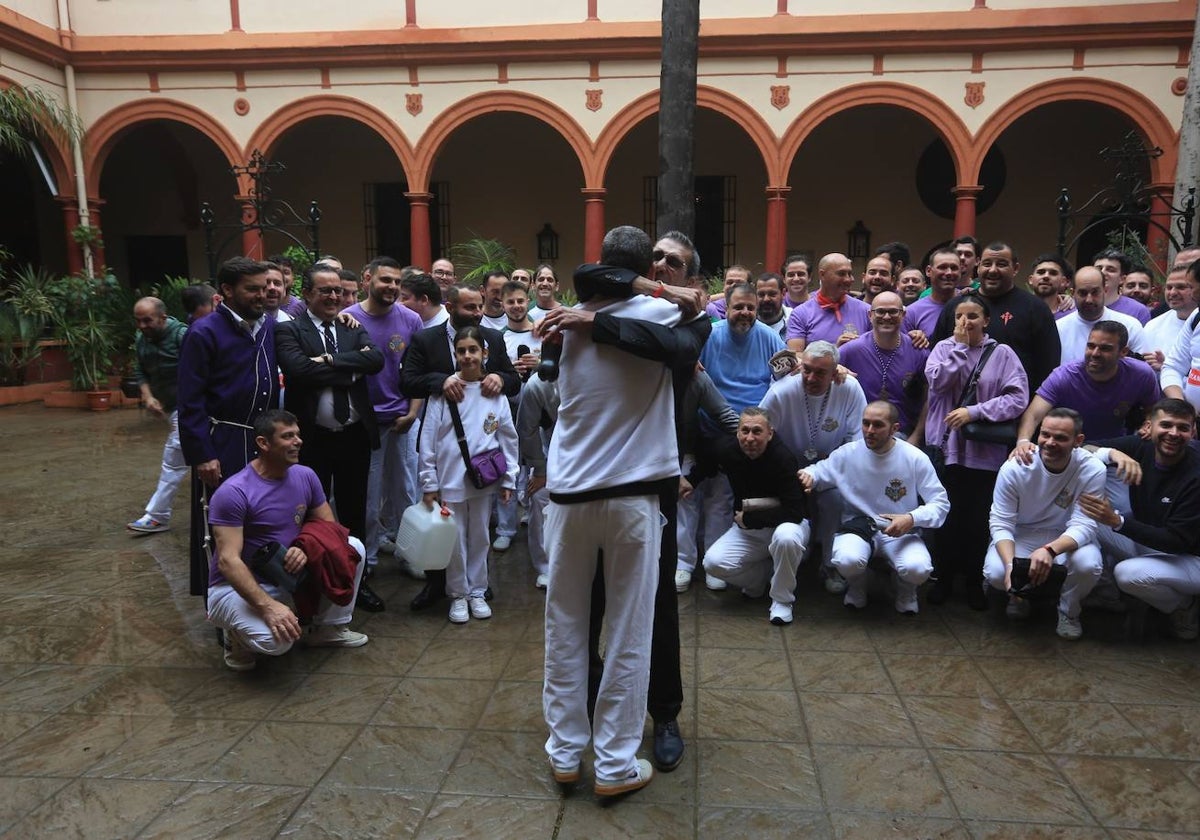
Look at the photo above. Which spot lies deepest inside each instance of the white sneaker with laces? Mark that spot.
(637, 779)
(479, 607)
(459, 614)
(856, 593)
(907, 602)
(238, 657)
(502, 544)
(334, 635)
(781, 614)
(542, 581)
(1069, 628)
(835, 584)
(683, 580)
(147, 525)
(715, 583)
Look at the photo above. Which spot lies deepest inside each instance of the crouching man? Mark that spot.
(766, 542)
(271, 500)
(1036, 514)
(880, 479)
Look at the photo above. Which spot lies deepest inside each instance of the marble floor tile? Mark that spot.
(935, 675)
(15, 724)
(823, 634)
(904, 634)
(721, 823)
(141, 691)
(470, 659)
(398, 758)
(457, 817)
(66, 744)
(386, 656)
(171, 748)
(858, 826)
(20, 795)
(630, 817)
(756, 774)
(528, 662)
(1006, 786)
(283, 753)
(232, 696)
(99, 809)
(1147, 681)
(1173, 730)
(729, 714)
(514, 762)
(891, 780)
(1083, 728)
(745, 669)
(1040, 678)
(984, 723)
(332, 811)
(861, 719)
(839, 672)
(1138, 793)
(50, 688)
(515, 707)
(339, 697)
(207, 810)
(1031, 831)
(728, 631)
(436, 703)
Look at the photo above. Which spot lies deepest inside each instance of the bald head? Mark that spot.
(836, 275)
(150, 315)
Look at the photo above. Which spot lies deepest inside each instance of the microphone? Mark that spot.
(523, 350)
(551, 352)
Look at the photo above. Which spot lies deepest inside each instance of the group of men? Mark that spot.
(813, 417)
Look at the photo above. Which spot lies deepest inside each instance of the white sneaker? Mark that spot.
(459, 614)
(683, 579)
(479, 607)
(1185, 622)
(1019, 608)
(542, 581)
(835, 584)
(334, 635)
(856, 593)
(502, 544)
(906, 598)
(238, 657)
(1069, 628)
(715, 583)
(781, 614)
(634, 781)
(387, 545)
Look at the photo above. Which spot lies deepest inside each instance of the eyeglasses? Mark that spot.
(441, 272)
(886, 313)
(329, 291)
(671, 259)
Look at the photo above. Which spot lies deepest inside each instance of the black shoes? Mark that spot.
(367, 599)
(668, 745)
(939, 593)
(431, 593)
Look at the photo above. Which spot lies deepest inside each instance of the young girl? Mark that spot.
(487, 424)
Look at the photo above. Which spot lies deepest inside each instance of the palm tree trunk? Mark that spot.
(677, 116)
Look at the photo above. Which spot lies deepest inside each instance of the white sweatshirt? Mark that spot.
(487, 424)
(872, 484)
(1182, 365)
(793, 412)
(616, 416)
(1030, 501)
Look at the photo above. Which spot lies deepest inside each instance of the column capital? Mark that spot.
(419, 197)
(967, 191)
(594, 193)
(778, 193)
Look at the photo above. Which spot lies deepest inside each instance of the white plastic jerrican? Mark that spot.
(426, 537)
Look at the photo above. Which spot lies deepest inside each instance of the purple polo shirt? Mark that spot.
(812, 323)
(1104, 405)
(923, 315)
(905, 365)
(716, 309)
(391, 333)
(1131, 307)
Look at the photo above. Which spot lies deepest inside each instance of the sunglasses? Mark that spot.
(672, 260)
(329, 291)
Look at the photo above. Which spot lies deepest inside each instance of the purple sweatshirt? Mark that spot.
(1003, 394)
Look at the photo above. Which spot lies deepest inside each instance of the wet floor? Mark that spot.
(118, 718)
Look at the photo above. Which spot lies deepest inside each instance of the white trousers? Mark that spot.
(537, 531)
(712, 500)
(230, 611)
(172, 475)
(391, 488)
(1084, 566)
(907, 556)
(628, 530)
(467, 574)
(1167, 582)
(750, 559)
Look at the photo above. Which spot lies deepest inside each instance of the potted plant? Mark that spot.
(90, 316)
(90, 349)
(25, 312)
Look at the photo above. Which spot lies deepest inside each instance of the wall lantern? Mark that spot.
(547, 244)
(858, 242)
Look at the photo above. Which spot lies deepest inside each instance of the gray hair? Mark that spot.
(681, 238)
(821, 349)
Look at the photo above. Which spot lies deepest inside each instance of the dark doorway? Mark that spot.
(151, 258)
(388, 222)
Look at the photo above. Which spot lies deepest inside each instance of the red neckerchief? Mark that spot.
(835, 305)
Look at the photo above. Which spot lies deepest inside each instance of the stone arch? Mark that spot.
(465, 110)
(57, 149)
(107, 130)
(713, 99)
(1143, 113)
(272, 129)
(947, 124)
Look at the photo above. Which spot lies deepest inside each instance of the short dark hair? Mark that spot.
(514, 286)
(766, 277)
(196, 295)
(1112, 328)
(452, 292)
(793, 258)
(1062, 412)
(755, 411)
(422, 285)
(384, 262)
(975, 298)
(738, 288)
(1000, 245)
(487, 278)
(236, 269)
(965, 240)
(629, 247)
(470, 331)
(893, 413)
(1138, 268)
(897, 252)
(265, 423)
(1120, 257)
(306, 282)
(281, 260)
(1065, 267)
(1175, 408)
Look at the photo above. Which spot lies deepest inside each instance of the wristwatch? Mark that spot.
(327, 358)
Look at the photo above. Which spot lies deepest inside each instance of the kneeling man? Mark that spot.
(767, 540)
(1036, 514)
(269, 500)
(880, 479)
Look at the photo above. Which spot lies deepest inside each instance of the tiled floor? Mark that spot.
(117, 718)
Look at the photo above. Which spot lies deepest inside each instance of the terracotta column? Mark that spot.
(70, 207)
(776, 245)
(964, 209)
(421, 243)
(252, 240)
(1158, 243)
(94, 205)
(593, 222)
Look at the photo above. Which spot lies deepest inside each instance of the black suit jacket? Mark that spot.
(296, 342)
(427, 362)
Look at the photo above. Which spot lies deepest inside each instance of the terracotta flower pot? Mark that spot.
(99, 400)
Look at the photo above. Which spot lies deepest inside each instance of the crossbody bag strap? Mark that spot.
(458, 431)
(969, 391)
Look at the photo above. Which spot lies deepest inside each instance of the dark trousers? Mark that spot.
(963, 540)
(666, 684)
(341, 461)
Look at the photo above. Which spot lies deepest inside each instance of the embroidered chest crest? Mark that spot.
(490, 423)
(830, 424)
(298, 516)
(1064, 499)
(895, 490)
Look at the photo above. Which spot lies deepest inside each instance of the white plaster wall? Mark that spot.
(433, 14)
(43, 11)
(30, 72)
(149, 17)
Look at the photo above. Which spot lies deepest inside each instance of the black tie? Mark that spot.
(341, 399)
